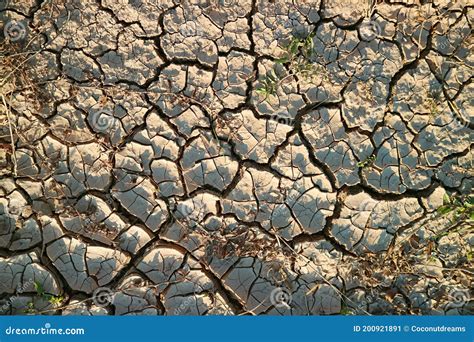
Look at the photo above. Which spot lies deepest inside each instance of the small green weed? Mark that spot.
(40, 293)
(461, 207)
(297, 59)
(367, 162)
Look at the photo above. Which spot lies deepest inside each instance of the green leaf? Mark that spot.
(345, 311)
(294, 45)
(282, 60)
(56, 300)
(443, 210)
(309, 46)
(39, 288)
(446, 199)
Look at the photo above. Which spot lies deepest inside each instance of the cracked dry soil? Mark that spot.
(144, 171)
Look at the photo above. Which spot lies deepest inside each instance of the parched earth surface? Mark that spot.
(143, 170)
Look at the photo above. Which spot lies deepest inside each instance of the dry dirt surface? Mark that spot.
(224, 157)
